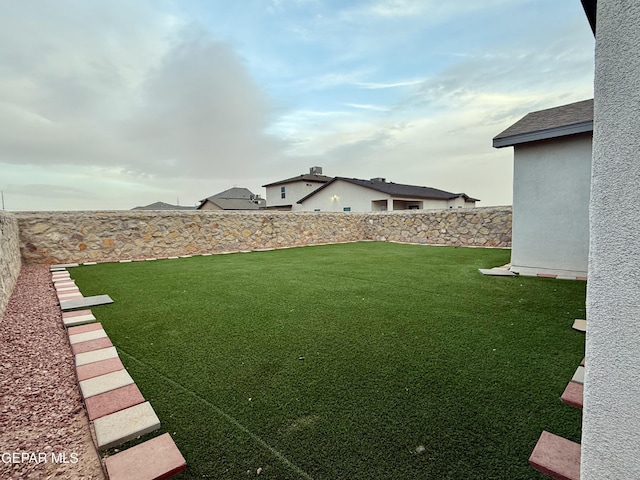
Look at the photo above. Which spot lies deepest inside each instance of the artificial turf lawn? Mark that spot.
(356, 361)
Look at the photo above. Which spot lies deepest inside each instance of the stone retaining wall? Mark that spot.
(62, 237)
(9, 258)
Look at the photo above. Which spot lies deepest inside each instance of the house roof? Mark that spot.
(551, 123)
(231, 203)
(306, 177)
(590, 9)
(396, 190)
(235, 192)
(162, 206)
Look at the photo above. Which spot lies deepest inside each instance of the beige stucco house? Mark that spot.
(551, 189)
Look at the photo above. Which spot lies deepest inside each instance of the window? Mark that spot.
(346, 209)
(283, 194)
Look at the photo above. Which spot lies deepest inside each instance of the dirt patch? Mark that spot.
(44, 432)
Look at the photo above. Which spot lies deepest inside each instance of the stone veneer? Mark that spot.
(62, 237)
(9, 257)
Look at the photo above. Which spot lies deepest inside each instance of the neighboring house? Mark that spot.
(284, 194)
(162, 206)
(354, 195)
(551, 185)
(236, 198)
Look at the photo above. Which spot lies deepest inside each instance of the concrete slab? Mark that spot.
(65, 282)
(91, 345)
(96, 356)
(95, 369)
(557, 457)
(75, 313)
(580, 325)
(90, 263)
(61, 274)
(78, 320)
(155, 459)
(67, 288)
(69, 293)
(126, 261)
(86, 302)
(113, 401)
(64, 265)
(84, 328)
(63, 297)
(578, 377)
(85, 336)
(573, 394)
(57, 269)
(497, 272)
(104, 383)
(119, 427)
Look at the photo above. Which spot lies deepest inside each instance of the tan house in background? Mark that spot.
(236, 198)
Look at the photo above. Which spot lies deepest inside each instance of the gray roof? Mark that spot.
(162, 206)
(551, 123)
(306, 177)
(397, 190)
(235, 192)
(231, 203)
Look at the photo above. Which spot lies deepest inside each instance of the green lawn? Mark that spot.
(356, 361)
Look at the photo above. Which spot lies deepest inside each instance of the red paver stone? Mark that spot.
(155, 459)
(91, 345)
(113, 401)
(75, 313)
(90, 327)
(547, 275)
(557, 457)
(95, 369)
(573, 394)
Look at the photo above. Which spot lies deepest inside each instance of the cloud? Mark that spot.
(127, 86)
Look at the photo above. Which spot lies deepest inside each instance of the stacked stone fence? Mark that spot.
(63, 237)
(9, 258)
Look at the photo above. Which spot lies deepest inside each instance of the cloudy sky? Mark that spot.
(117, 103)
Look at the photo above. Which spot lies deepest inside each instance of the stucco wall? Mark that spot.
(611, 415)
(9, 258)
(60, 237)
(551, 184)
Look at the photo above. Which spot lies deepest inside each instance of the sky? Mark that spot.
(111, 104)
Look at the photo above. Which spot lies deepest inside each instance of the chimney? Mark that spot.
(315, 170)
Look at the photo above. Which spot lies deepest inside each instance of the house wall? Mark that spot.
(62, 237)
(551, 183)
(611, 415)
(294, 191)
(209, 205)
(340, 194)
(9, 258)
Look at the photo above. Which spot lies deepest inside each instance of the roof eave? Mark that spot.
(590, 9)
(546, 134)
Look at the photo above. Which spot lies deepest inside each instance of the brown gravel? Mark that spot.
(41, 412)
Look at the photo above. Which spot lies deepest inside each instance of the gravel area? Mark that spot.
(44, 431)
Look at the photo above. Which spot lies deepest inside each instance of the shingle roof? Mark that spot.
(306, 177)
(162, 206)
(235, 192)
(551, 123)
(232, 203)
(396, 190)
